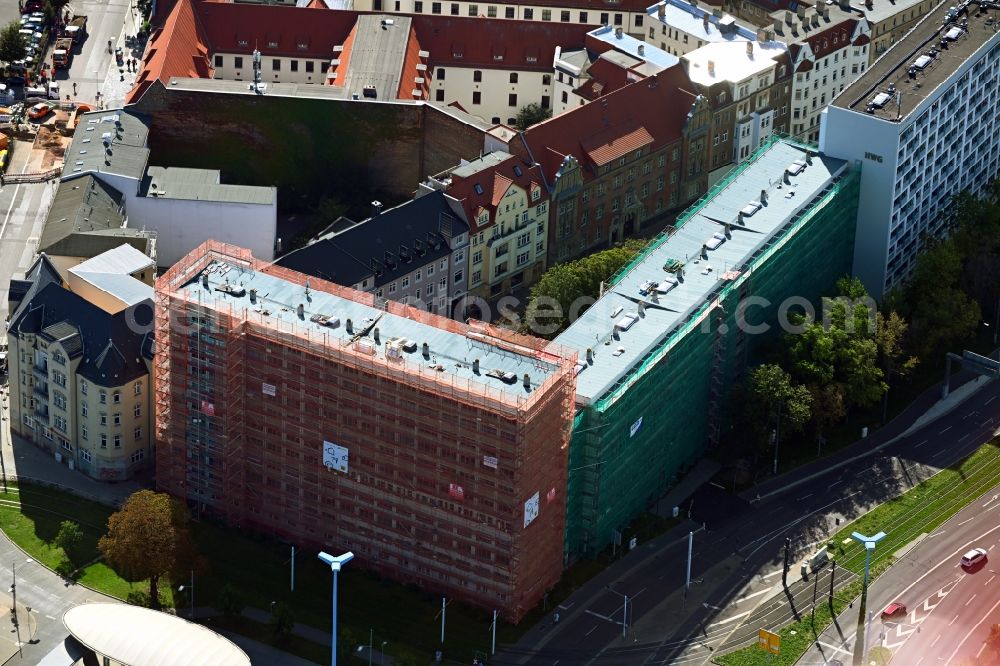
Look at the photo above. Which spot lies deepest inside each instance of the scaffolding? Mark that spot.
(440, 471)
(659, 419)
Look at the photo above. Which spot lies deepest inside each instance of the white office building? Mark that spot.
(924, 123)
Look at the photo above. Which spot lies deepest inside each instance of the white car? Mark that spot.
(974, 557)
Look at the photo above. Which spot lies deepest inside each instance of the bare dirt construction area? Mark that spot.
(52, 141)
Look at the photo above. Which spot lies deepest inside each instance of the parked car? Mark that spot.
(973, 558)
(894, 610)
(15, 80)
(39, 111)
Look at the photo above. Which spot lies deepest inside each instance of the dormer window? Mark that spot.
(242, 42)
(536, 194)
(478, 188)
(272, 44)
(498, 57)
(302, 46)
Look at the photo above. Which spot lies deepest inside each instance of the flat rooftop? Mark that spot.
(677, 302)
(918, 63)
(201, 185)
(730, 61)
(111, 142)
(377, 54)
(452, 347)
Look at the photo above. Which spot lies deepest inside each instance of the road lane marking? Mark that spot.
(970, 600)
(603, 617)
(936, 639)
(755, 594)
(772, 574)
(935, 455)
(805, 497)
(834, 647)
(945, 430)
(917, 446)
(985, 617)
(591, 630)
(967, 520)
(990, 500)
(952, 620)
(991, 399)
(962, 437)
(989, 581)
(731, 619)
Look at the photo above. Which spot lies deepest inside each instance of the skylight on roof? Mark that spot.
(517, 171)
(478, 188)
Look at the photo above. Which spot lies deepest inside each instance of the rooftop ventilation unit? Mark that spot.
(751, 208)
(503, 375)
(325, 320)
(231, 289)
(716, 240)
(796, 167)
(627, 322)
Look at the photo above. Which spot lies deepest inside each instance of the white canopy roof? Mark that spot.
(139, 636)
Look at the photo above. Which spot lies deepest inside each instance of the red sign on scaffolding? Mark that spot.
(456, 491)
(551, 496)
(208, 407)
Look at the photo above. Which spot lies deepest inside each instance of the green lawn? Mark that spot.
(921, 509)
(903, 519)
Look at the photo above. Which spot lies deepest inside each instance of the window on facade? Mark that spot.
(83, 433)
(103, 399)
(564, 16)
(406, 282)
(276, 65)
(513, 77)
(473, 10)
(392, 287)
(118, 418)
(529, 13)
(418, 7)
(104, 419)
(218, 61)
(435, 8)
(583, 17)
(508, 12)
(512, 99)
(117, 397)
(439, 95)
(238, 62)
(118, 441)
(104, 441)
(310, 65)
(137, 411)
(293, 65)
(618, 19)
(546, 14)
(477, 97)
(138, 455)
(491, 11)
(604, 18)
(459, 276)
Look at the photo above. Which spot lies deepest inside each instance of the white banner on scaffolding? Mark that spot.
(269, 389)
(531, 509)
(334, 457)
(635, 427)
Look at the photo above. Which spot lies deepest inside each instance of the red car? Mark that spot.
(893, 611)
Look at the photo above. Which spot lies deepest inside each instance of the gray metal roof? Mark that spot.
(112, 142)
(453, 352)
(614, 359)
(81, 205)
(201, 185)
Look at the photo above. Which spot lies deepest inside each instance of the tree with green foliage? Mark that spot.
(12, 43)
(565, 290)
(230, 601)
(69, 538)
(531, 114)
(942, 316)
(282, 621)
(147, 538)
(774, 401)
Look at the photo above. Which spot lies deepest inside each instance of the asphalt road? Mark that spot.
(950, 610)
(737, 563)
(91, 61)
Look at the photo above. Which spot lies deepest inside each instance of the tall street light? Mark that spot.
(335, 564)
(861, 640)
(191, 594)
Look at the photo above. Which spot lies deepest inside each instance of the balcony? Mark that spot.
(41, 414)
(41, 391)
(41, 371)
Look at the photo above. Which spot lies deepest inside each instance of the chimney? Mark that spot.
(826, 11)
(301, 311)
(704, 252)
(590, 355)
(475, 366)
(204, 280)
(777, 25)
(376, 208)
(711, 68)
(763, 196)
(661, 9)
(801, 11)
(618, 33)
(704, 21)
(750, 49)
(642, 49)
(253, 295)
(694, 3)
(815, 20)
(426, 350)
(642, 309)
(788, 17)
(761, 35)
(349, 327)
(375, 335)
(729, 230)
(527, 381)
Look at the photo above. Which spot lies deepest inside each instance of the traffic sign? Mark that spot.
(769, 641)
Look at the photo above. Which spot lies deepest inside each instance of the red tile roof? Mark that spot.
(493, 181)
(275, 30)
(178, 49)
(614, 142)
(658, 105)
(409, 73)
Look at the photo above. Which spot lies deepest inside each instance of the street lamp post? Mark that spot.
(335, 565)
(861, 640)
(624, 611)
(381, 653)
(191, 593)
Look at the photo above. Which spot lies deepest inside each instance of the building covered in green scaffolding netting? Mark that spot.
(673, 331)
